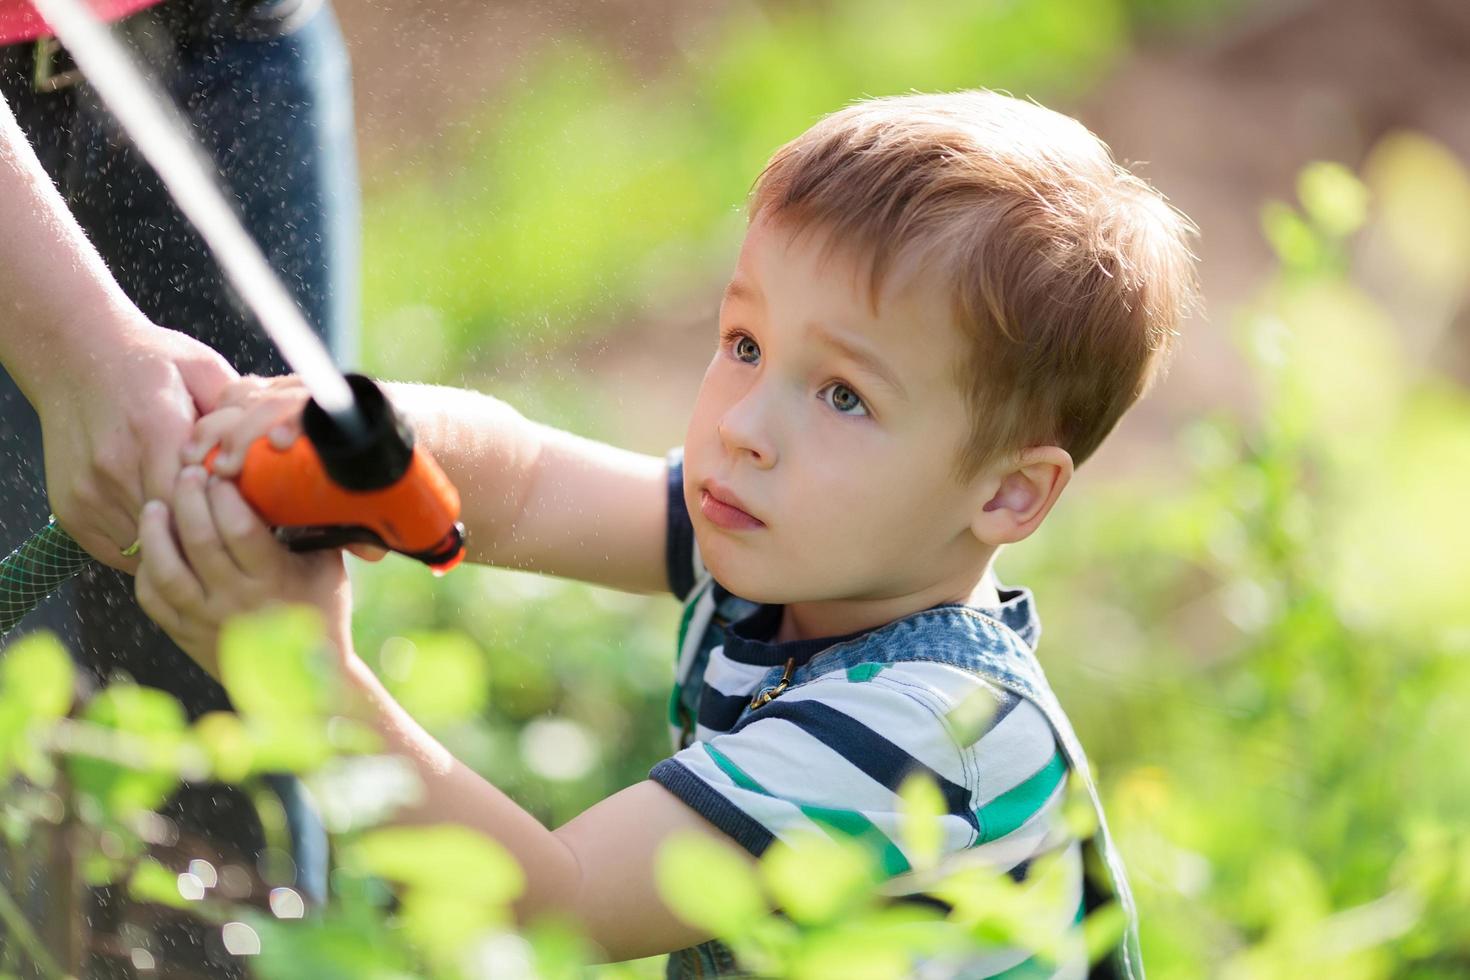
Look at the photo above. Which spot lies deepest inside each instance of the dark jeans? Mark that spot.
(266, 90)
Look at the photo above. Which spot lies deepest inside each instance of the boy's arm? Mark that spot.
(533, 497)
(597, 869)
(540, 499)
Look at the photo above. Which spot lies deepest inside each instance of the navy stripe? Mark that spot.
(678, 536)
(1008, 702)
(700, 797)
(718, 710)
(868, 751)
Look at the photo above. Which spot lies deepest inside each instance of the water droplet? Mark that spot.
(286, 904)
(191, 887)
(142, 959)
(240, 939)
(204, 871)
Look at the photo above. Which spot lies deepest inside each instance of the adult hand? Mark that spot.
(114, 421)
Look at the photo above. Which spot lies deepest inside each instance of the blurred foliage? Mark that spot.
(589, 189)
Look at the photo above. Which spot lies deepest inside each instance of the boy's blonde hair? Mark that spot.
(1069, 273)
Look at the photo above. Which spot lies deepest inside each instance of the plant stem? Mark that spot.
(20, 928)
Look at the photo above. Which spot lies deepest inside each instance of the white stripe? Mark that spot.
(891, 712)
(703, 733)
(781, 817)
(696, 561)
(948, 684)
(731, 677)
(1011, 752)
(794, 765)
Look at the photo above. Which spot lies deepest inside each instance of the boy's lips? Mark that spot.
(723, 509)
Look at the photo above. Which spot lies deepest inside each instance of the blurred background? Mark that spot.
(1254, 596)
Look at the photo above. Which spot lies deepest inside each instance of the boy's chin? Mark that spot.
(741, 575)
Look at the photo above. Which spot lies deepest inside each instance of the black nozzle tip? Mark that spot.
(371, 455)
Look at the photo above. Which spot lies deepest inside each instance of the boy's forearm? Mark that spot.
(543, 500)
(486, 448)
(453, 793)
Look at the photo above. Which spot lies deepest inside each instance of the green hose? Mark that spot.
(36, 569)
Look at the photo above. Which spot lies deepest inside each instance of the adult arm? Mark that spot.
(117, 396)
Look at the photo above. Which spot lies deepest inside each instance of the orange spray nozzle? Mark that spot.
(335, 487)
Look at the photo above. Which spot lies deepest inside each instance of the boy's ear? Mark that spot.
(1015, 499)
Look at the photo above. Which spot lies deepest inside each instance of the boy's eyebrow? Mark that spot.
(739, 289)
(859, 355)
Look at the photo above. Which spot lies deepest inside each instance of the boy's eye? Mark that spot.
(844, 399)
(745, 349)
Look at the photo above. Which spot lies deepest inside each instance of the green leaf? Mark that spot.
(37, 672)
(438, 677)
(922, 806)
(1421, 196)
(36, 689)
(152, 882)
(971, 718)
(851, 954)
(709, 884)
(1102, 931)
(1292, 238)
(330, 947)
(445, 924)
(815, 880)
(447, 859)
(288, 744)
(275, 665)
(150, 749)
(227, 743)
(1333, 197)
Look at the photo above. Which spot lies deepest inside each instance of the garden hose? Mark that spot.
(37, 568)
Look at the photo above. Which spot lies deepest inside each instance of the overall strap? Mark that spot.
(1017, 670)
(972, 639)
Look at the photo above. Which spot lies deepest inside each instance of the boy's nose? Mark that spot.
(745, 430)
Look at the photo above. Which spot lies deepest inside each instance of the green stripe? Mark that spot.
(688, 615)
(1014, 807)
(736, 774)
(858, 673)
(689, 608)
(848, 822)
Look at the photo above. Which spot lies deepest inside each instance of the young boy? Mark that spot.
(943, 304)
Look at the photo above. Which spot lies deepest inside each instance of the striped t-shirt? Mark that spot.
(858, 715)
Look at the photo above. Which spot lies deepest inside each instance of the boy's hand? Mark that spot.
(224, 562)
(247, 409)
